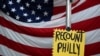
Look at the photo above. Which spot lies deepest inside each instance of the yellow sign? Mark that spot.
(68, 43)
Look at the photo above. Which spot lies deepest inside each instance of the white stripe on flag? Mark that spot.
(5, 51)
(63, 3)
(96, 55)
(91, 37)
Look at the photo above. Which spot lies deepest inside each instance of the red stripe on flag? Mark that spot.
(90, 49)
(85, 25)
(59, 9)
(23, 48)
(85, 5)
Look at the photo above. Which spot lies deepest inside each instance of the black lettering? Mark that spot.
(68, 46)
(81, 34)
(70, 49)
(72, 38)
(59, 46)
(57, 35)
(74, 48)
(61, 38)
(64, 47)
(78, 47)
(67, 35)
(77, 37)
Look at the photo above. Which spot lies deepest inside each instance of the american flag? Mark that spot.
(26, 26)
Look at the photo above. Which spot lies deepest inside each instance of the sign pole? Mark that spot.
(68, 14)
(67, 41)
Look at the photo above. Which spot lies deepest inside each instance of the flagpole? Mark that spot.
(68, 14)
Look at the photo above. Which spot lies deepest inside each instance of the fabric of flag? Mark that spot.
(26, 26)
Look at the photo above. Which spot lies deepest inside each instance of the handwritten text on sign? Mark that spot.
(70, 43)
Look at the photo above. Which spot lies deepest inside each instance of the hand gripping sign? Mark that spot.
(67, 42)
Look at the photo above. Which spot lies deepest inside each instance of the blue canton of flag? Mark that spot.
(28, 10)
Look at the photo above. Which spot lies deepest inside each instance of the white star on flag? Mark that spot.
(10, 2)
